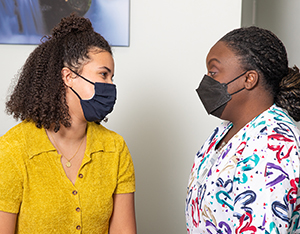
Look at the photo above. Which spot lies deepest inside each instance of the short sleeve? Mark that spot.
(282, 182)
(11, 179)
(266, 186)
(126, 175)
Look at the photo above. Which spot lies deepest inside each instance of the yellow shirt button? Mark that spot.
(77, 209)
(78, 227)
(74, 192)
(80, 176)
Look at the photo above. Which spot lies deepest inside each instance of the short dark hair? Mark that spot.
(40, 93)
(261, 50)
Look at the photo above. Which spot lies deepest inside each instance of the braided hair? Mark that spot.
(40, 93)
(261, 50)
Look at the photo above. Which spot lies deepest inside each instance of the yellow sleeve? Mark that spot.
(126, 176)
(11, 178)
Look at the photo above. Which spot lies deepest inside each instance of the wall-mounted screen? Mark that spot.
(27, 21)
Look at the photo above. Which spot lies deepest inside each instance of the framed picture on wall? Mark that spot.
(26, 22)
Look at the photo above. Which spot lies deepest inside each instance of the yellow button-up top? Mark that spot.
(34, 185)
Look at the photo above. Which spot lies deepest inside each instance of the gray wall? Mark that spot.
(279, 16)
(158, 111)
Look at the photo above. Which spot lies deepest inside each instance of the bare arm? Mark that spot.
(123, 216)
(7, 222)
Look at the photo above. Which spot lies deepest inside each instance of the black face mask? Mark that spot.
(101, 104)
(214, 95)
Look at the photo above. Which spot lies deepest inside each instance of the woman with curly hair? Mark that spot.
(245, 178)
(61, 171)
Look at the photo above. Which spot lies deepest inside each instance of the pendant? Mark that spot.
(68, 164)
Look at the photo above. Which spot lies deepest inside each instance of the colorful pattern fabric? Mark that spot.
(251, 185)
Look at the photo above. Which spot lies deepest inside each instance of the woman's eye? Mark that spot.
(104, 75)
(211, 73)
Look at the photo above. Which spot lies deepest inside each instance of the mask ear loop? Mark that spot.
(75, 93)
(226, 83)
(234, 80)
(82, 77)
(237, 91)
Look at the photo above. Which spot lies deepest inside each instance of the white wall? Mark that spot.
(12, 57)
(158, 111)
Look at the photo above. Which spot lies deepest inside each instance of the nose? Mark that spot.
(110, 80)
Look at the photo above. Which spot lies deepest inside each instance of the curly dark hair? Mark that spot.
(40, 93)
(261, 50)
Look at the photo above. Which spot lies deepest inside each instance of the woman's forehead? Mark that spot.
(221, 54)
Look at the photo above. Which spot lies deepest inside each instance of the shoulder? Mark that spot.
(272, 136)
(19, 139)
(12, 138)
(272, 121)
(280, 126)
(102, 132)
(101, 137)
(12, 151)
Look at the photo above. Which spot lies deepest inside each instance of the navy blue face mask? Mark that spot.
(214, 95)
(101, 104)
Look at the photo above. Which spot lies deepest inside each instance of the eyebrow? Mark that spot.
(105, 68)
(213, 59)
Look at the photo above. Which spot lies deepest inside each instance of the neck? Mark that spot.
(248, 111)
(70, 135)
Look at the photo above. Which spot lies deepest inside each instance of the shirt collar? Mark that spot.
(37, 141)
(99, 139)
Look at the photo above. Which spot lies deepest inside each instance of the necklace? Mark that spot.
(68, 163)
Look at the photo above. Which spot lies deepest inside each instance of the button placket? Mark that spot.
(78, 208)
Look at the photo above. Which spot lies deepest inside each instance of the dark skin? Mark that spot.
(223, 65)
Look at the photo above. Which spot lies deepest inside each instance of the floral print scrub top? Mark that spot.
(251, 185)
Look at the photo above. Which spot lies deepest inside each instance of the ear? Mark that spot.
(251, 79)
(67, 76)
